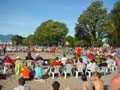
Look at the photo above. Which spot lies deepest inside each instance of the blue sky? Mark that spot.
(24, 16)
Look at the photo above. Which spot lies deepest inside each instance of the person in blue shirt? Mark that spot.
(38, 71)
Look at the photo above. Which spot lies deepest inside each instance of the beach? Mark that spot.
(74, 83)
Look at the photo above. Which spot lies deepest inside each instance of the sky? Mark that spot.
(22, 17)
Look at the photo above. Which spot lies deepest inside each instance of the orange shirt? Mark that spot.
(25, 72)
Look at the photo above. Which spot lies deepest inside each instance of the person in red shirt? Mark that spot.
(57, 62)
(78, 51)
(8, 60)
(8, 64)
(91, 57)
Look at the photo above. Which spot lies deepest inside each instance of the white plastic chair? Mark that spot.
(55, 70)
(103, 70)
(90, 70)
(114, 66)
(6, 67)
(79, 70)
(67, 70)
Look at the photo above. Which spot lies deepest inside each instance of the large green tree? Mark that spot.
(93, 24)
(111, 38)
(116, 21)
(30, 40)
(70, 40)
(17, 40)
(50, 32)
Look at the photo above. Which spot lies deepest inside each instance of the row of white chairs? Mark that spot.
(68, 70)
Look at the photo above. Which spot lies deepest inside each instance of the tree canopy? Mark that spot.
(50, 32)
(29, 40)
(17, 40)
(93, 24)
(116, 21)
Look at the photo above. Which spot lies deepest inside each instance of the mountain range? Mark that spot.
(5, 38)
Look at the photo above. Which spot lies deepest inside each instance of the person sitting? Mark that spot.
(91, 57)
(102, 64)
(8, 64)
(29, 57)
(25, 73)
(68, 68)
(80, 64)
(57, 62)
(85, 59)
(38, 71)
(64, 59)
(92, 66)
(110, 62)
(55, 85)
(8, 60)
(22, 86)
(18, 65)
(38, 57)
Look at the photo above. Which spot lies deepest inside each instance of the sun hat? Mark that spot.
(18, 57)
(118, 53)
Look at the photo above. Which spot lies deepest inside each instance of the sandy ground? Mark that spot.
(74, 83)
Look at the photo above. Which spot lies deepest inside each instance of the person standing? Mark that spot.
(4, 49)
(115, 82)
(78, 51)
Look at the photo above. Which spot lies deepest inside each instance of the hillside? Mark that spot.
(5, 38)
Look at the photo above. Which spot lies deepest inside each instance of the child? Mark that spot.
(38, 71)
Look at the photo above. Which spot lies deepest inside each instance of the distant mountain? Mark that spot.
(5, 38)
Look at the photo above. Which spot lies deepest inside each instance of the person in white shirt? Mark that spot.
(22, 86)
(92, 66)
(110, 62)
(64, 59)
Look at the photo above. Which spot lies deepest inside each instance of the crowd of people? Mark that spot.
(85, 62)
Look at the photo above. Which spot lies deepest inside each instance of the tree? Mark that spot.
(93, 25)
(17, 40)
(116, 21)
(29, 40)
(111, 38)
(50, 32)
(70, 39)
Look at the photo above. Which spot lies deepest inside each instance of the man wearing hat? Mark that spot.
(115, 83)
